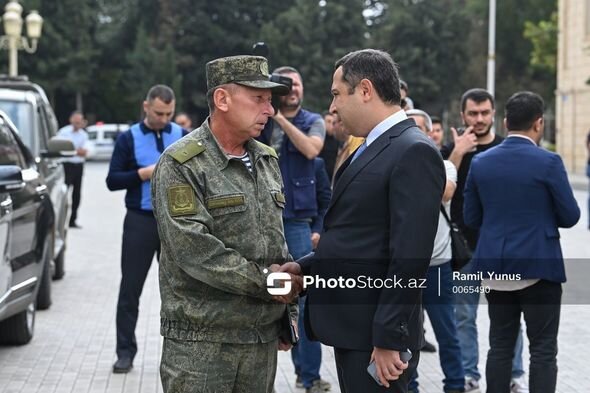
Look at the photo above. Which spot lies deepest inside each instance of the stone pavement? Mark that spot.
(74, 342)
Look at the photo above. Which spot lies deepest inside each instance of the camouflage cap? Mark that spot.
(249, 71)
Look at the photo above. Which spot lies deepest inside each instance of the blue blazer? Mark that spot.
(518, 195)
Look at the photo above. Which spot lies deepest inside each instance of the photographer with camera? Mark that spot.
(298, 137)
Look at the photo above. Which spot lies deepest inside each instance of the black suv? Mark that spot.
(27, 230)
(28, 107)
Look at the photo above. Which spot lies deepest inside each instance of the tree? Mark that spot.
(66, 60)
(543, 36)
(428, 41)
(311, 36)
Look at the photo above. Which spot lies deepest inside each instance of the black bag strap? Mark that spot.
(444, 212)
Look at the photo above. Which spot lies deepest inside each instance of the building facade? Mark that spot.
(573, 83)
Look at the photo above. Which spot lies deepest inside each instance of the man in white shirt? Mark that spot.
(74, 166)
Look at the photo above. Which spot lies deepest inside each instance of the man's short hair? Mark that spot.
(77, 112)
(163, 92)
(476, 95)
(376, 66)
(522, 110)
(403, 85)
(436, 120)
(230, 87)
(425, 116)
(287, 70)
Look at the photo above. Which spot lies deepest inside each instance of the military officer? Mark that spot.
(218, 202)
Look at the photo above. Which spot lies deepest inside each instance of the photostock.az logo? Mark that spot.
(281, 277)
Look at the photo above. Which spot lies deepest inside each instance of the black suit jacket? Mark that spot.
(380, 224)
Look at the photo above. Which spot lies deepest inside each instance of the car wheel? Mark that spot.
(18, 329)
(60, 265)
(44, 292)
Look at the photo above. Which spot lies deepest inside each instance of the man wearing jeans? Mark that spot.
(518, 248)
(298, 135)
(438, 297)
(477, 113)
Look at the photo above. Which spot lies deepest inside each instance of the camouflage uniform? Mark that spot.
(220, 225)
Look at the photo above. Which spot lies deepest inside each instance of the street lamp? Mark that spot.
(12, 40)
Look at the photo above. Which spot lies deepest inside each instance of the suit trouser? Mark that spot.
(307, 355)
(541, 305)
(140, 243)
(354, 378)
(466, 314)
(74, 172)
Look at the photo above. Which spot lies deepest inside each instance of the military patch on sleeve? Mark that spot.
(181, 200)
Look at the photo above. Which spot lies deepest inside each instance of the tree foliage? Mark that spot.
(111, 51)
(427, 40)
(543, 36)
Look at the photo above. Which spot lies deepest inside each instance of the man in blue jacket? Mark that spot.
(134, 158)
(518, 195)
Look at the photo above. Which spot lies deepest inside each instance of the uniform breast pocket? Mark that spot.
(220, 205)
(278, 198)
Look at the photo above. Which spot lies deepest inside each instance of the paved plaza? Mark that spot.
(74, 344)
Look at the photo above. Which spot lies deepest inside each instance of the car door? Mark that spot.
(24, 250)
(5, 268)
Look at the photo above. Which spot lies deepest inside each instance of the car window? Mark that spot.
(44, 127)
(111, 135)
(21, 114)
(47, 118)
(10, 153)
(92, 135)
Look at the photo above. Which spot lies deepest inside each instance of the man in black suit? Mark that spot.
(379, 230)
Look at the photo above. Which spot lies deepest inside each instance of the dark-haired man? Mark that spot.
(477, 113)
(184, 120)
(132, 164)
(329, 152)
(437, 133)
(519, 242)
(376, 226)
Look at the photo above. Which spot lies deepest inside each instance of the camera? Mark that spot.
(261, 49)
(283, 80)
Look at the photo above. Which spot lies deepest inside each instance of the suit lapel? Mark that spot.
(348, 171)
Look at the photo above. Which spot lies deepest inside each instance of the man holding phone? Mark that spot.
(381, 223)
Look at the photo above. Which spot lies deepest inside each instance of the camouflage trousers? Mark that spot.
(207, 367)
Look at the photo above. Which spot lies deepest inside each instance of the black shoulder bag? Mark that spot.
(461, 252)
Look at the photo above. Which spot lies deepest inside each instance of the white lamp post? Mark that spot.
(13, 26)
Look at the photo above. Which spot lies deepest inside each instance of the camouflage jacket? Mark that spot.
(220, 226)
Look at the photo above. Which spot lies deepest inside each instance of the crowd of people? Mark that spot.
(368, 188)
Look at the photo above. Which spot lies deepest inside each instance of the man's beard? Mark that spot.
(485, 132)
(286, 104)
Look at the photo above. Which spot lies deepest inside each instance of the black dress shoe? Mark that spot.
(123, 365)
(74, 225)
